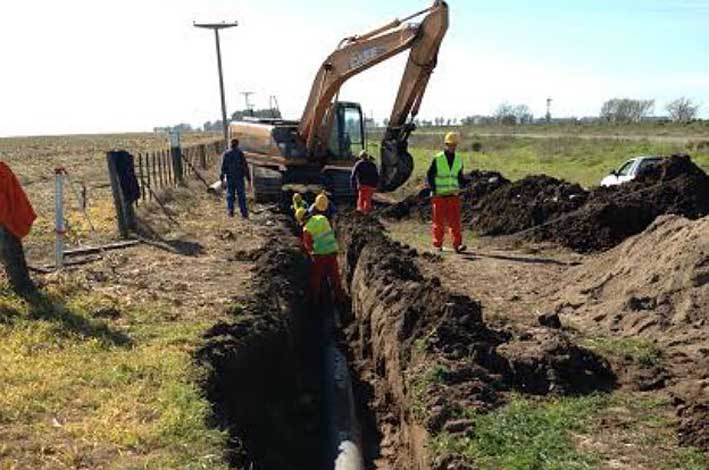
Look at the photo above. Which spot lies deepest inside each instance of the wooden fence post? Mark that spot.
(142, 177)
(177, 168)
(124, 211)
(155, 172)
(148, 172)
(12, 256)
(203, 157)
(160, 176)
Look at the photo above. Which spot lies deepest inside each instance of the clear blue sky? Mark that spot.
(99, 66)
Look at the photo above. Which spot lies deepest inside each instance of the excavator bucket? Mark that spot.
(397, 164)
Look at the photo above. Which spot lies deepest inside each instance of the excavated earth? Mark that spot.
(265, 375)
(655, 288)
(676, 186)
(542, 208)
(418, 206)
(404, 324)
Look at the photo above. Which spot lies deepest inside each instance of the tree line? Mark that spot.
(616, 110)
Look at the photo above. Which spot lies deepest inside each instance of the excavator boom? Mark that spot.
(359, 53)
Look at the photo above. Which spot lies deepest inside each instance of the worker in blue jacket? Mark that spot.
(234, 171)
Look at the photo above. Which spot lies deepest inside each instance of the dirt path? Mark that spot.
(513, 283)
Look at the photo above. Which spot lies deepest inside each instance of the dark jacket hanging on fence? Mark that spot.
(234, 166)
(125, 166)
(16, 213)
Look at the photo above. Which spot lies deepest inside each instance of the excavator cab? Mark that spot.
(347, 138)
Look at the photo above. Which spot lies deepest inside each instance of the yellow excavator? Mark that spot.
(321, 148)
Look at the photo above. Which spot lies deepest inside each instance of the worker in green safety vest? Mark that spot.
(320, 242)
(445, 178)
(298, 203)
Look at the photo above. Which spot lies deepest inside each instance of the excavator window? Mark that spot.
(348, 137)
(353, 131)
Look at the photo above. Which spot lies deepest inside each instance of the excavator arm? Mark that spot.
(359, 53)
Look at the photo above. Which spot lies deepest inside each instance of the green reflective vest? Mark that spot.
(324, 241)
(446, 177)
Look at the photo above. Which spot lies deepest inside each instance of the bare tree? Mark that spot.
(513, 114)
(683, 109)
(623, 110)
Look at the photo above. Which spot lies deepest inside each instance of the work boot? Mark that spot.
(461, 249)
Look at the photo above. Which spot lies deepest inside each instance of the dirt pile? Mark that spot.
(548, 209)
(676, 186)
(654, 282)
(526, 203)
(654, 290)
(428, 354)
(418, 205)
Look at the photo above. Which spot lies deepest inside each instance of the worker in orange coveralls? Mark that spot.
(320, 242)
(445, 178)
(364, 180)
(16, 213)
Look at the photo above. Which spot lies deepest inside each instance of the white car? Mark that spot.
(629, 170)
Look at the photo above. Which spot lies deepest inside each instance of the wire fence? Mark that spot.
(162, 169)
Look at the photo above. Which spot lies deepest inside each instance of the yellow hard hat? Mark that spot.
(363, 154)
(297, 197)
(300, 215)
(452, 138)
(321, 203)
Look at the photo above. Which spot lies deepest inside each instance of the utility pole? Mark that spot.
(247, 103)
(216, 27)
(273, 104)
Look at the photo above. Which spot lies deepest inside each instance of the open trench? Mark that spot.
(305, 387)
(279, 379)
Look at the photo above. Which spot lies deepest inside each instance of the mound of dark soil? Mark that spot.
(527, 203)
(676, 186)
(548, 209)
(481, 183)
